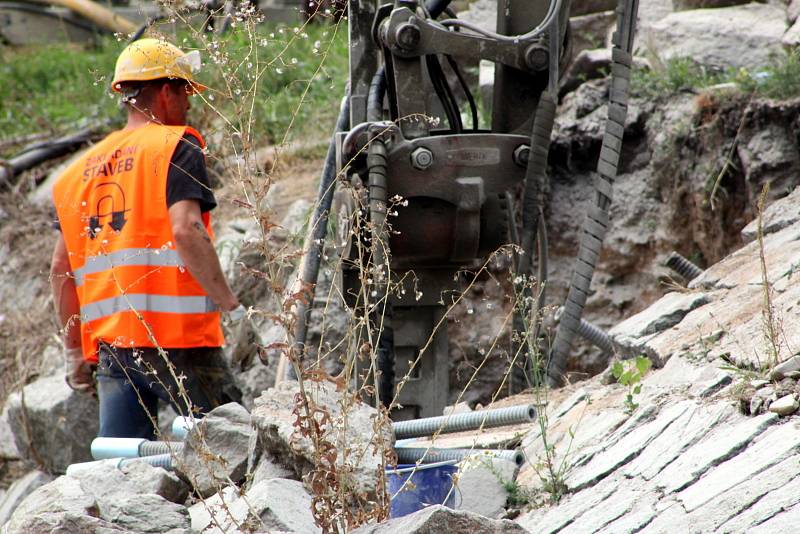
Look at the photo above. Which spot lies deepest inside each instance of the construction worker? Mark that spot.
(136, 281)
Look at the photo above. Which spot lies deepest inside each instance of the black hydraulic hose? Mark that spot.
(41, 152)
(464, 87)
(377, 90)
(385, 349)
(317, 230)
(436, 7)
(442, 89)
(596, 223)
(377, 162)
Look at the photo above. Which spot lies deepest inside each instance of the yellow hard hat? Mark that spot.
(151, 59)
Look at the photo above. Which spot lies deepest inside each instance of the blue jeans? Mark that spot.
(130, 382)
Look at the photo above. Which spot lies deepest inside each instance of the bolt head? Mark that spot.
(421, 158)
(407, 36)
(537, 57)
(522, 155)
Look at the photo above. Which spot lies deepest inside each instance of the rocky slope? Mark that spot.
(712, 445)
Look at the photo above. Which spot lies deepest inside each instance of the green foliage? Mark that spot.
(630, 373)
(671, 77)
(46, 88)
(779, 80)
(264, 80)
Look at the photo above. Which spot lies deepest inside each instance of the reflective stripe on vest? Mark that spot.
(147, 257)
(143, 303)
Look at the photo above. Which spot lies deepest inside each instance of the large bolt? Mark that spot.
(407, 36)
(421, 158)
(683, 267)
(522, 155)
(537, 57)
(591, 333)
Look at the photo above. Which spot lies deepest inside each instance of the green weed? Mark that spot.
(629, 374)
(671, 77)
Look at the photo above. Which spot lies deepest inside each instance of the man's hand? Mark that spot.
(78, 372)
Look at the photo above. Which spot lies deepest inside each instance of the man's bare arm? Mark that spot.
(65, 295)
(198, 254)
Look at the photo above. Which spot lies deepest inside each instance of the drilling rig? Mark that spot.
(423, 189)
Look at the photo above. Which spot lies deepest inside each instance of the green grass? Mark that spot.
(259, 82)
(780, 79)
(47, 88)
(671, 77)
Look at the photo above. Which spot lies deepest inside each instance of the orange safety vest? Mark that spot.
(133, 288)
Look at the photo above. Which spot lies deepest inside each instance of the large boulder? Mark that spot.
(437, 519)
(137, 478)
(271, 505)
(483, 485)
(746, 36)
(53, 424)
(104, 499)
(356, 430)
(216, 450)
(20, 489)
(63, 499)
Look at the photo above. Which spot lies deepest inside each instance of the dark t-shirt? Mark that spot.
(187, 178)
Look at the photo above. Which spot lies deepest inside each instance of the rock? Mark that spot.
(791, 39)
(793, 11)
(483, 483)
(54, 424)
(8, 448)
(137, 478)
(216, 449)
(744, 36)
(768, 155)
(63, 495)
(358, 462)
(632, 335)
(681, 5)
(786, 405)
(782, 369)
(437, 519)
(776, 443)
(482, 13)
(267, 468)
(270, 505)
(296, 218)
(65, 523)
(19, 490)
(590, 31)
(156, 480)
(145, 513)
(756, 405)
(100, 498)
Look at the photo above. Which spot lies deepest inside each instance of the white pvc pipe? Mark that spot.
(182, 425)
(104, 448)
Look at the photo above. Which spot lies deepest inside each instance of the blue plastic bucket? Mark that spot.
(428, 484)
